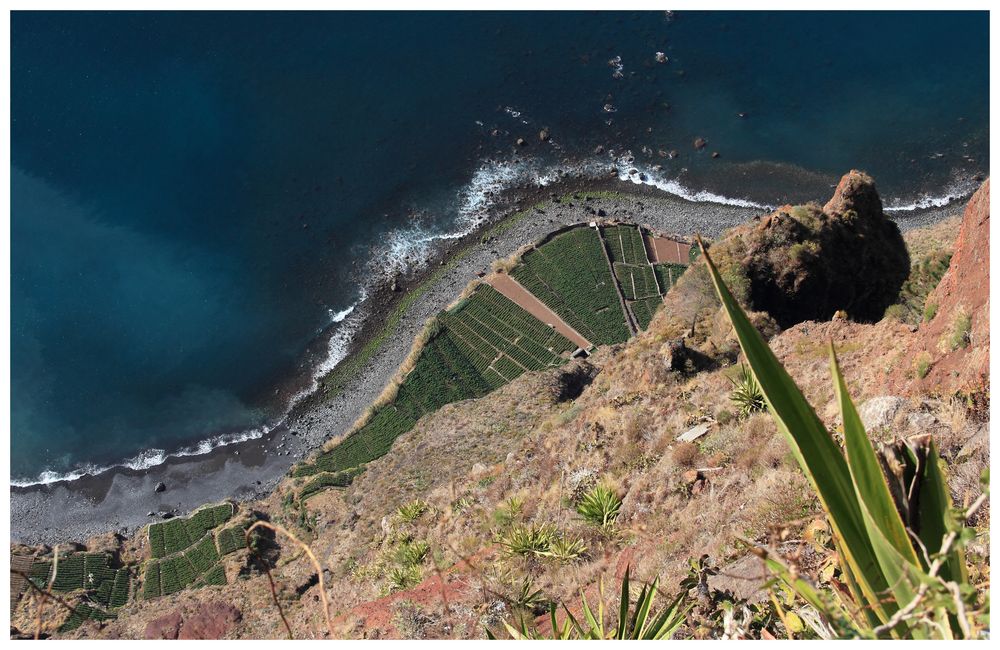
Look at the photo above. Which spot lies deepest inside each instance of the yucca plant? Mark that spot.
(600, 506)
(565, 550)
(411, 511)
(634, 622)
(904, 579)
(746, 393)
(528, 539)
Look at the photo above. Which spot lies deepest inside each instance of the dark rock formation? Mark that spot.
(806, 262)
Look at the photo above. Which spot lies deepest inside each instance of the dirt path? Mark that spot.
(668, 250)
(527, 301)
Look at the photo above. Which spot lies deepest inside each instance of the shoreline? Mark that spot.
(119, 499)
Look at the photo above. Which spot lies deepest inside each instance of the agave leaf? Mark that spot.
(623, 606)
(936, 517)
(895, 553)
(642, 609)
(859, 604)
(866, 472)
(588, 615)
(818, 455)
(668, 621)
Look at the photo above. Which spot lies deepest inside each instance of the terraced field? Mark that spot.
(570, 274)
(583, 275)
(104, 586)
(187, 552)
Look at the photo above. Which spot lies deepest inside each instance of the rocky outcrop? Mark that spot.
(211, 621)
(807, 263)
(951, 352)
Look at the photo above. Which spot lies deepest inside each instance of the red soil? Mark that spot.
(520, 296)
(668, 250)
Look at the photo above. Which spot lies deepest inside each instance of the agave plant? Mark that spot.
(904, 574)
(600, 506)
(633, 622)
(746, 393)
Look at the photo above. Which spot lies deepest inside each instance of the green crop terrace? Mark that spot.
(583, 274)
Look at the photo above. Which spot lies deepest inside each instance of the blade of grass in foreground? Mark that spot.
(818, 455)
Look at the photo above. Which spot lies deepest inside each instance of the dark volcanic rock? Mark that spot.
(160, 487)
(806, 263)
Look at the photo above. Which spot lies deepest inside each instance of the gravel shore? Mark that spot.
(121, 500)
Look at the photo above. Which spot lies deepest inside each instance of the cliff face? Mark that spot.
(951, 352)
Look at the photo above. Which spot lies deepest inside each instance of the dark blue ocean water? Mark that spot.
(195, 195)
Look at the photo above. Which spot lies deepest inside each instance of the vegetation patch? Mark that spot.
(911, 306)
(186, 553)
(103, 586)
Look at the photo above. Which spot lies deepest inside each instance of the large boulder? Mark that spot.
(807, 263)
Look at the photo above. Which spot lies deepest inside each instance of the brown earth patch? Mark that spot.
(523, 298)
(667, 250)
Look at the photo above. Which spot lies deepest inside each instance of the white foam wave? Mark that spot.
(959, 189)
(349, 321)
(145, 459)
(409, 248)
(628, 170)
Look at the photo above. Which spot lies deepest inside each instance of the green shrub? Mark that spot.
(509, 512)
(958, 336)
(412, 553)
(404, 577)
(930, 311)
(565, 550)
(409, 512)
(600, 506)
(922, 365)
(634, 621)
(528, 539)
(746, 393)
(895, 312)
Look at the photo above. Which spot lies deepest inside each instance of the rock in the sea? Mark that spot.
(661, 57)
(160, 487)
(699, 143)
(521, 142)
(543, 135)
